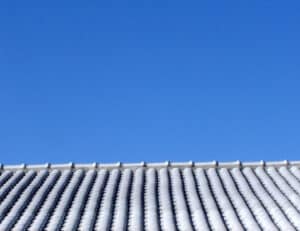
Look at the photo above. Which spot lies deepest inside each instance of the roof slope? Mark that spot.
(167, 196)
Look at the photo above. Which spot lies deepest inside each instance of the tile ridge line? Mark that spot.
(166, 164)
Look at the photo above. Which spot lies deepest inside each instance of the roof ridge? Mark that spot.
(169, 164)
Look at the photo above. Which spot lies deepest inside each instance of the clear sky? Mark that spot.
(128, 81)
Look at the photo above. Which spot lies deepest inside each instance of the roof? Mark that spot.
(151, 196)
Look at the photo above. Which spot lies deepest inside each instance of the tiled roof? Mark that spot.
(151, 196)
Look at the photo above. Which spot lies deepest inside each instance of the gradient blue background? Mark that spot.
(149, 80)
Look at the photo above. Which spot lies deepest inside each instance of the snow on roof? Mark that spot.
(151, 196)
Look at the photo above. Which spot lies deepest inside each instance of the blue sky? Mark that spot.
(149, 80)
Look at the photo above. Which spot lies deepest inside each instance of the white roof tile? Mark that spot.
(151, 196)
